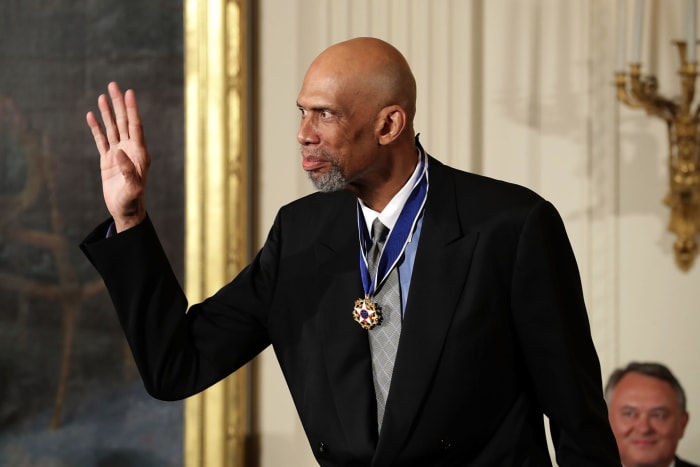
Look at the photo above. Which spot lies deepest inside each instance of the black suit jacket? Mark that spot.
(681, 463)
(495, 331)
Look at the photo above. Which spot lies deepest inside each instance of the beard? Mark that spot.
(332, 180)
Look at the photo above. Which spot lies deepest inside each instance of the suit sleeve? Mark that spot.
(554, 334)
(179, 352)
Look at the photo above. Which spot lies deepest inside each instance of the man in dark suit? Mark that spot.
(648, 414)
(444, 350)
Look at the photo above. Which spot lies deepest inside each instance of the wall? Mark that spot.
(520, 90)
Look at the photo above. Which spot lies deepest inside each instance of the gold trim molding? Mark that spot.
(216, 206)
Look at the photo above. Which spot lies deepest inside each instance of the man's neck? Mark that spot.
(377, 197)
(392, 208)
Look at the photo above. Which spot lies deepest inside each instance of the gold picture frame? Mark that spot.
(216, 206)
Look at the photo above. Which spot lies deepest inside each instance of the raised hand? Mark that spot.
(124, 159)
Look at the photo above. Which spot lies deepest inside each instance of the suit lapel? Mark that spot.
(439, 272)
(345, 343)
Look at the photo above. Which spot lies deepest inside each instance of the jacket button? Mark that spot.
(322, 447)
(445, 443)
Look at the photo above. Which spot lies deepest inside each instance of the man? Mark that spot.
(647, 411)
(444, 350)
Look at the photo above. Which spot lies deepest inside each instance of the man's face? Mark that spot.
(336, 132)
(646, 418)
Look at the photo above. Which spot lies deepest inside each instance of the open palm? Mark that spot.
(124, 159)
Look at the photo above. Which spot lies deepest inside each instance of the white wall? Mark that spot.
(520, 90)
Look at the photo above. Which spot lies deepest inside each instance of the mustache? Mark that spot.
(316, 155)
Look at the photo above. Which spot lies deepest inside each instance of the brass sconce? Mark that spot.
(683, 163)
(639, 91)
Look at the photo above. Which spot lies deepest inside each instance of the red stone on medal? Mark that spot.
(366, 313)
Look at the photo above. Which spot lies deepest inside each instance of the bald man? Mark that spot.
(422, 316)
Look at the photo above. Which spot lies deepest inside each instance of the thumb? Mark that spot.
(128, 203)
(126, 167)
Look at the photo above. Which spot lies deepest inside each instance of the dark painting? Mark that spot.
(69, 392)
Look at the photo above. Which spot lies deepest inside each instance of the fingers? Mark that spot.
(135, 129)
(107, 119)
(121, 121)
(119, 110)
(100, 140)
(115, 117)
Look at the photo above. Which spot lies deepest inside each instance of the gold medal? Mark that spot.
(366, 313)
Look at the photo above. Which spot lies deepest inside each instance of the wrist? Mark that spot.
(125, 223)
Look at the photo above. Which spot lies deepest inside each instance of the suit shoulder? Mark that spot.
(317, 203)
(683, 463)
(474, 190)
(318, 200)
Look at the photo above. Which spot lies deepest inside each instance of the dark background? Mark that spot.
(56, 57)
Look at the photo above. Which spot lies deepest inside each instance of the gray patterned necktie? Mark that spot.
(384, 339)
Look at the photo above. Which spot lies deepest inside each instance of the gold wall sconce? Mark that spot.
(641, 92)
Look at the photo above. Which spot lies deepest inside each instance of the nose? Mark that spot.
(643, 425)
(307, 131)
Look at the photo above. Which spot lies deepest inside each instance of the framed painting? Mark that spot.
(69, 392)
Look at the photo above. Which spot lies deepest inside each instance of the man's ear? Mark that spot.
(391, 122)
(684, 422)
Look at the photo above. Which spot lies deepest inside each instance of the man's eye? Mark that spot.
(326, 114)
(659, 414)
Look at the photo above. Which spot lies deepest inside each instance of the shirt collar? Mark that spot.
(391, 212)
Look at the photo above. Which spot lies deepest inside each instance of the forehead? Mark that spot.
(333, 79)
(318, 89)
(644, 391)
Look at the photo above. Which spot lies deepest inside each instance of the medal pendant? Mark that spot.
(366, 313)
